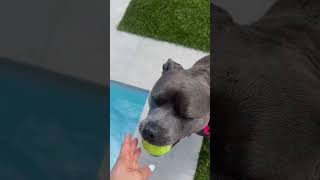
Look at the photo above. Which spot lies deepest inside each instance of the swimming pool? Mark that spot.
(52, 126)
(126, 106)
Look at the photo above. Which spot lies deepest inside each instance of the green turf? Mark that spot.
(185, 22)
(203, 167)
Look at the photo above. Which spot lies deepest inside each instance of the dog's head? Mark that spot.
(179, 106)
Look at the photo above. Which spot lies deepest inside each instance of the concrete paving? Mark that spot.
(138, 61)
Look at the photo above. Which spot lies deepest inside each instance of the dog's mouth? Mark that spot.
(161, 140)
(164, 144)
(155, 150)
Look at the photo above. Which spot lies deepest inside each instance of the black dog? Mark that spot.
(265, 94)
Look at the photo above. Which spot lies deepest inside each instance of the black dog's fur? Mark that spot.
(265, 94)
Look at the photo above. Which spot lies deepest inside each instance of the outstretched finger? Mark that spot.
(136, 154)
(125, 149)
(133, 146)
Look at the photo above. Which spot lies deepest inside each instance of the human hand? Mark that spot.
(127, 166)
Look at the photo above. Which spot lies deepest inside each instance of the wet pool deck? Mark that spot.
(137, 61)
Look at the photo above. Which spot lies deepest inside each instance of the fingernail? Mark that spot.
(152, 167)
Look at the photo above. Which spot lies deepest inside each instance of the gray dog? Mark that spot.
(179, 103)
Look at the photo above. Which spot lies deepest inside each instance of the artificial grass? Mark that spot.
(203, 167)
(178, 21)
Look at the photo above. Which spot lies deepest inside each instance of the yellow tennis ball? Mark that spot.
(156, 150)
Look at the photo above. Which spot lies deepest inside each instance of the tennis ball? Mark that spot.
(156, 150)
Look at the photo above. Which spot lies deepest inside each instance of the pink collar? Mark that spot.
(206, 130)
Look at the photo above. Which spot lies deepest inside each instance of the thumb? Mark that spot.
(146, 171)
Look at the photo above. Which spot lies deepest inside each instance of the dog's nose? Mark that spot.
(151, 131)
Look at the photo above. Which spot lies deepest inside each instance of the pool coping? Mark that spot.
(130, 86)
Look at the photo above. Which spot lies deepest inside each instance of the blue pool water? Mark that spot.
(126, 106)
(52, 127)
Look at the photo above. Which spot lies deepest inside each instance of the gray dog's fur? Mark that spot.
(177, 101)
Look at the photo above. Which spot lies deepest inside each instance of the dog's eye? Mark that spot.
(181, 112)
(189, 118)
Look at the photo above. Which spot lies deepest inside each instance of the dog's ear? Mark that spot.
(170, 65)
